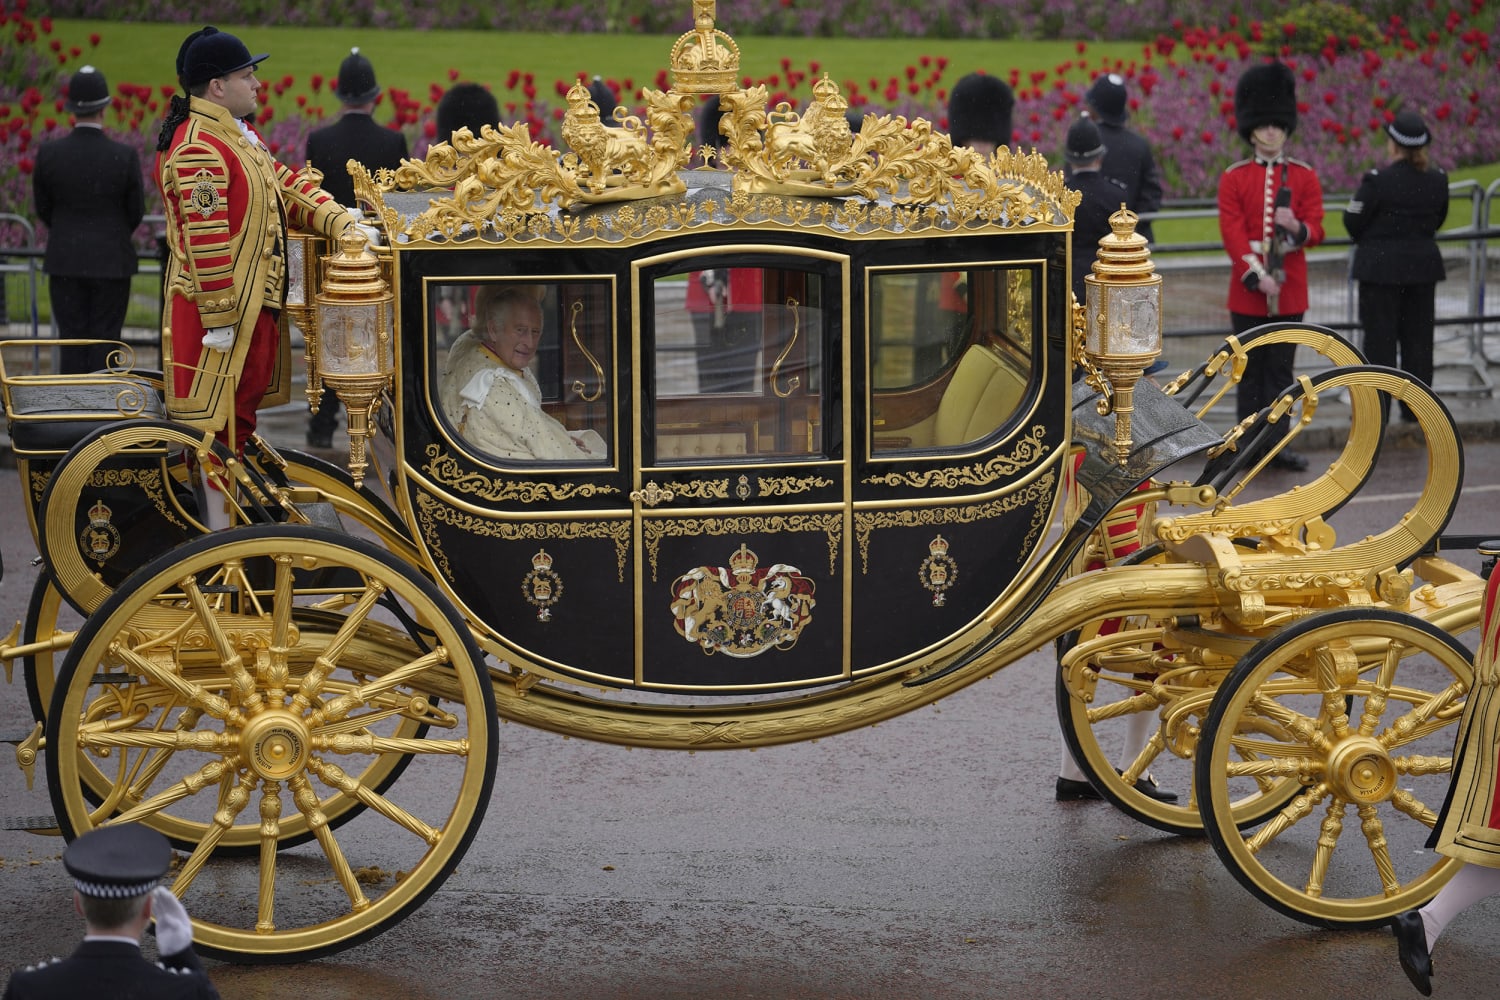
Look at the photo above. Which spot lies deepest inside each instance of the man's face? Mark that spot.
(1268, 140)
(515, 332)
(239, 92)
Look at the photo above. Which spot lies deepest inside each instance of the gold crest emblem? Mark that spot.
(742, 610)
(541, 587)
(205, 194)
(100, 539)
(938, 571)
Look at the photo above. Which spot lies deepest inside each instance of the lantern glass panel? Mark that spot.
(296, 273)
(1134, 313)
(349, 341)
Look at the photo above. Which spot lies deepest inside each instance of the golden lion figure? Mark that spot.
(603, 150)
(821, 138)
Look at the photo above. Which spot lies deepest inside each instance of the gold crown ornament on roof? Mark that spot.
(804, 169)
(705, 60)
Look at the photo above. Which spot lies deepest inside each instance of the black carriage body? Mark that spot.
(842, 470)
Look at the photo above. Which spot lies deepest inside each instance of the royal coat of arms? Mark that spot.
(742, 610)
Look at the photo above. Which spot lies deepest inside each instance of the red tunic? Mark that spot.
(1247, 199)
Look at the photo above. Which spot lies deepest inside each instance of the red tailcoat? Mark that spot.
(228, 203)
(1247, 203)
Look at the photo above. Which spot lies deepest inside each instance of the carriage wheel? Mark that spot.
(47, 614)
(1360, 708)
(251, 680)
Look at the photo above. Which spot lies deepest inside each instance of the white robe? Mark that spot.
(499, 409)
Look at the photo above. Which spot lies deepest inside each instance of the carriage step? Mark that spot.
(322, 514)
(30, 824)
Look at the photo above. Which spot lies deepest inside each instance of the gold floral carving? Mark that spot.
(431, 512)
(784, 486)
(444, 468)
(148, 481)
(1037, 496)
(654, 530)
(702, 489)
(1027, 452)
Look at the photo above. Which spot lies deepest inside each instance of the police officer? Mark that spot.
(116, 871)
(1102, 197)
(355, 136)
(88, 192)
(1128, 158)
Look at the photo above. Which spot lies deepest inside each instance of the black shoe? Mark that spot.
(1411, 947)
(1289, 461)
(1073, 790)
(1147, 787)
(318, 438)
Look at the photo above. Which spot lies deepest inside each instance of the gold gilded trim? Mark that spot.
(1027, 452)
(785, 486)
(444, 468)
(432, 511)
(148, 481)
(654, 530)
(703, 489)
(1037, 495)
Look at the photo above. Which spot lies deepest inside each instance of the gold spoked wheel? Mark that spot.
(248, 683)
(1359, 707)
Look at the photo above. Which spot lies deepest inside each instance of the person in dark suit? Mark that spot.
(1392, 219)
(1128, 160)
(116, 871)
(1102, 197)
(355, 136)
(89, 193)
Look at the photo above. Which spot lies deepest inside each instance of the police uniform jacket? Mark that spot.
(1128, 160)
(355, 136)
(113, 970)
(88, 192)
(228, 204)
(1247, 206)
(1101, 198)
(1392, 219)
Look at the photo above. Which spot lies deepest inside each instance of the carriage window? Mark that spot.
(951, 353)
(737, 363)
(523, 370)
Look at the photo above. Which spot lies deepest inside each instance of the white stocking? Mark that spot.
(1472, 884)
(1069, 768)
(1138, 730)
(215, 517)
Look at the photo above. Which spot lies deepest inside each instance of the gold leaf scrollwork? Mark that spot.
(785, 486)
(654, 530)
(432, 512)
(1027, 452)
(1037, 496)
(444, 468)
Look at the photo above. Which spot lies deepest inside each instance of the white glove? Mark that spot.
(220, 338)
(174, 931)
(371, 233)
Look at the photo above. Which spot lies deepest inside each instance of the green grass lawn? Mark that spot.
(412, 60)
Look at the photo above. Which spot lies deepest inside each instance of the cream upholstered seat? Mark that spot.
(982, 394)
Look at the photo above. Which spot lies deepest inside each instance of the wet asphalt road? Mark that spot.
(922, 858)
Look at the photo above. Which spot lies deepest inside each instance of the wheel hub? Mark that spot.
(276, 744)
(1360, 770)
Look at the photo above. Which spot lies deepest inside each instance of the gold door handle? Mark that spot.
(651, 495)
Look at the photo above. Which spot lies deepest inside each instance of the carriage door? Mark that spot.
(741, 484)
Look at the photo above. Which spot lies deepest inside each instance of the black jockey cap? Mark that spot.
(356, 83)
(1084, 142)
(88, 92)
(603, 95)
(1107, 98)
(118, 862)
(979, 107)
(213, 54)
(1409, 130)
(1265, 95)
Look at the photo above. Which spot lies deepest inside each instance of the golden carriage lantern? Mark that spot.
(355, 351)
(1122, 334)
(303, 253)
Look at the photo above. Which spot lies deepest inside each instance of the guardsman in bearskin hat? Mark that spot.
(466, 105)
(116, 873)
(228, 203)
(1270, 212)
(88, 193)
(979, 110)
(355, 136)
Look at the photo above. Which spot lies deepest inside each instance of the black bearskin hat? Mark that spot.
(1265, 95)
(465, 104)
(979, 108)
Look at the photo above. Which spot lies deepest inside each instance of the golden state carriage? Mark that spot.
(822, 504)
